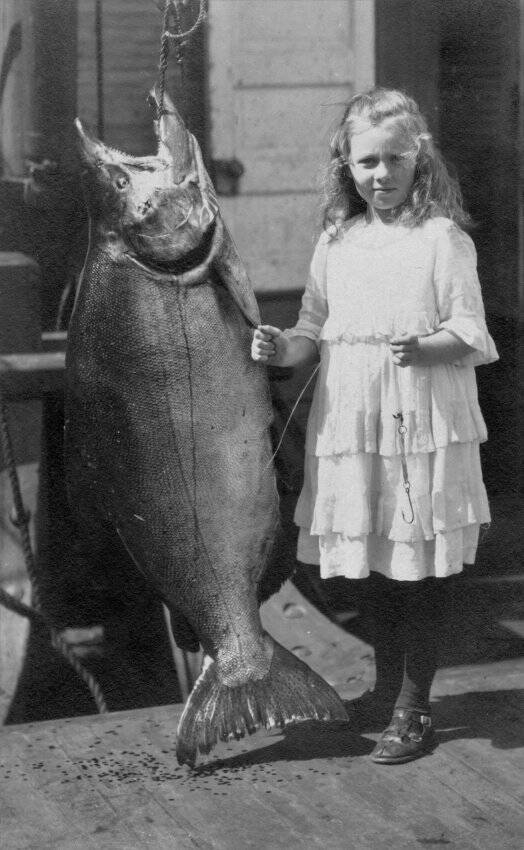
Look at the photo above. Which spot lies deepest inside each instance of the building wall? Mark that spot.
(277, 72)
(278, 76)
(130, 45)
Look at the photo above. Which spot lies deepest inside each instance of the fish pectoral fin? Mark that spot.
(290, 691)
(183, 633)
(234, 277)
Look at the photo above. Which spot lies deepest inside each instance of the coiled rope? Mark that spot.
(35, 613)
(172, 32)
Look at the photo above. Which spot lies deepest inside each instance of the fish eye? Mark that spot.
(121, 182)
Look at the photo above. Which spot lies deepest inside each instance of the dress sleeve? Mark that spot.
(314, 309)
(459, 297)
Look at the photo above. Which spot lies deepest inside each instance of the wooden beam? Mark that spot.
(31, 376)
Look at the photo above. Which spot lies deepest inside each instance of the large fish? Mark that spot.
(167, 429)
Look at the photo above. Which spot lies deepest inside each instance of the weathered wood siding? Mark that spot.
(278, 74)
(279, 71)
(130, 49)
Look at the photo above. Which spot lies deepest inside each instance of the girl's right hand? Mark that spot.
(268, 344)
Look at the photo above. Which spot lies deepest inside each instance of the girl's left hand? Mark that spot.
(405, 350)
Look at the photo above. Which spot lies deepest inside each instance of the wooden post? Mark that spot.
(15, 74)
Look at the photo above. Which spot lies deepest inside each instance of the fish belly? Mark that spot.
(168, 443)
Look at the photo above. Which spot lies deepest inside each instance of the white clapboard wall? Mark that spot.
(279, 72)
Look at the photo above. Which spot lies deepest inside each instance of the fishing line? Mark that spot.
(297, 402)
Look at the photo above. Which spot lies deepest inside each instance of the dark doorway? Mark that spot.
(460, 59)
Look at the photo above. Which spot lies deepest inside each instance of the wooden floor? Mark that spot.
(113, 782)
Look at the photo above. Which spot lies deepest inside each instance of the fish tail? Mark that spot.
(290, 691)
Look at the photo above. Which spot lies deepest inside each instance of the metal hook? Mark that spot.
(412, 520)
(402, 431)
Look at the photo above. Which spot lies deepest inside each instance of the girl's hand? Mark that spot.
(268, 344)
(439, 347)
(405, 350)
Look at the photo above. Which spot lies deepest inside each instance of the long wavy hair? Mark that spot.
(433, 192)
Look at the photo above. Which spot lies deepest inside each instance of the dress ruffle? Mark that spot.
(354, 494)
(348, 498)
(355, 557)
(359, 391)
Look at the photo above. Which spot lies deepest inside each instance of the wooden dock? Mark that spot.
(113, 782)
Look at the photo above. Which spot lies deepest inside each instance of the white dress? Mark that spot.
(370, 283)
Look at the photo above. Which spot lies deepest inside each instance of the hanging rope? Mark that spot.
(175, 6)
(99, 48)
(172, 32)
(36, 613)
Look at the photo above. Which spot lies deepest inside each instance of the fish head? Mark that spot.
(156, 208)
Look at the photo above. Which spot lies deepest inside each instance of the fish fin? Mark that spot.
(290, 691)
(183, 633)
(228, 264)
(234, 277)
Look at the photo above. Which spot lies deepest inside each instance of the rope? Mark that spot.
(172, 18)
(99, 70)
(181, 36)
(36, 613)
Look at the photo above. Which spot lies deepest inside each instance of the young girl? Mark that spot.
(393, 487)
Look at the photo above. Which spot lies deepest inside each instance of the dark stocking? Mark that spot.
(423, 603)
(383, 609)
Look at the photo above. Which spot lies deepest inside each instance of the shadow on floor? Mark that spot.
(497, 716)
(300, 742)
(485, 619)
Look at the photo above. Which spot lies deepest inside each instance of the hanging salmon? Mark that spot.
(167, 429)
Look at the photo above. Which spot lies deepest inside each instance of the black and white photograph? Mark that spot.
(261, 424)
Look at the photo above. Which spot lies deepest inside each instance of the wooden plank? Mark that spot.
(54, 340)
(27, 376)
(114, 779)
(342, 659)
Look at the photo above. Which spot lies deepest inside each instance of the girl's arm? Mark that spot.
(298, 347)
(462, 329)
(441, 347)
(273, 347)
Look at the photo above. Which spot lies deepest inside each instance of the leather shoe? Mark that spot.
(409, 736)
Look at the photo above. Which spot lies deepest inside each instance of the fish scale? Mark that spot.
(167, 430)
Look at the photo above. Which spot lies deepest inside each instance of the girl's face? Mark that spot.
(382, 163)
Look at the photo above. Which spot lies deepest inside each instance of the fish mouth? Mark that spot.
(183, 264)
